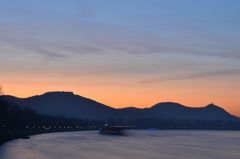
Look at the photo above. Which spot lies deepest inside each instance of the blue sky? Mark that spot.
(131, 42)
(184, 27)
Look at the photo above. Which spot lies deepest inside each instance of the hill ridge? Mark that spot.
(75, 106)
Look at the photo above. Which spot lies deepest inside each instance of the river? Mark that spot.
(135, 145)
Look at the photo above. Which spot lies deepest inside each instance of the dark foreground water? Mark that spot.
(137, 145)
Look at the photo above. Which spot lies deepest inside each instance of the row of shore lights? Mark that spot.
(60, 127)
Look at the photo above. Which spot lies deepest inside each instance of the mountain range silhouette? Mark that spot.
(74, 106)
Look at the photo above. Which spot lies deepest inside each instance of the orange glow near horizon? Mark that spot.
(125, 95)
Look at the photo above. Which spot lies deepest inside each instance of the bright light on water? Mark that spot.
(137, 144)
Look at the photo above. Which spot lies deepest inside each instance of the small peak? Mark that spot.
(211, 105)
(59, 93)
(167, 104)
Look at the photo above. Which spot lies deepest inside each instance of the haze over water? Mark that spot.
(137, 144)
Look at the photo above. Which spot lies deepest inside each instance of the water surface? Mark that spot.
(137, 144)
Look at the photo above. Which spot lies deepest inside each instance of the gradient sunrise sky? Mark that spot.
(123, 52)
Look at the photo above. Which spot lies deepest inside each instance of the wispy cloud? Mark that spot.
(50, 46)
(219, 73)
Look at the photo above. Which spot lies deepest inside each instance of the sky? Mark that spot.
(123, 52)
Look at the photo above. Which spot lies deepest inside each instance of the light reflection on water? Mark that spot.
(137, 144)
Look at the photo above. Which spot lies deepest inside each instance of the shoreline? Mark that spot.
(20, 134)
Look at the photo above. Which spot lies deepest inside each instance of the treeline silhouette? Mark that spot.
(18, 122)
(16, 117)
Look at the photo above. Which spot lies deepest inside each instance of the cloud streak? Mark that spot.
(219, 73)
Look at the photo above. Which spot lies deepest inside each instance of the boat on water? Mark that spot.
(26, 137)
(111, 130)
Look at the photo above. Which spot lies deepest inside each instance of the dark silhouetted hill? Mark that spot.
(75, 106)
(64, 104)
